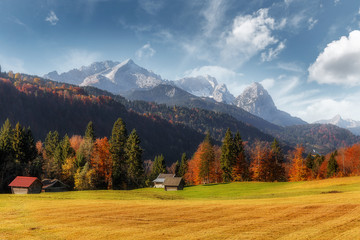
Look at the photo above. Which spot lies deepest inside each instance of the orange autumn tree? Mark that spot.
(298, 170)
(102, 163)
(349, 161)
(203, 167)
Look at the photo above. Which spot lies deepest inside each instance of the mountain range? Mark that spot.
(137, 83)
(352, 125)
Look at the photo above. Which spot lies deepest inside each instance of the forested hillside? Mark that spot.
(50, 106)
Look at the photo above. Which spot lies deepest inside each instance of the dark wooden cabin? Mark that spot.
(174, 184)
(54, 185)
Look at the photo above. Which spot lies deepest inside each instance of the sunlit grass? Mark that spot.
(326, 209)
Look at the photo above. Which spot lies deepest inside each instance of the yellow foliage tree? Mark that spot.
(298, 170)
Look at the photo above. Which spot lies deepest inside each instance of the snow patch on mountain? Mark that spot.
(206, 86)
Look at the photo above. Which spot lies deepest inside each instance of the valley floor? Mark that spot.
(326, 209)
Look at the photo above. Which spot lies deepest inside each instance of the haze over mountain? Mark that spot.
(256, 100)
(352, 125)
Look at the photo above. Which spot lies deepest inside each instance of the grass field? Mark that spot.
(326, 209)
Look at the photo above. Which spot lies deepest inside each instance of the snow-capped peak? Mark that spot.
(206, 86)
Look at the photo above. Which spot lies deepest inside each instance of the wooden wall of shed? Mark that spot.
(36, 187)
(19, 190)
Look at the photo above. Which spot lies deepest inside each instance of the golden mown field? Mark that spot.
(327, 209)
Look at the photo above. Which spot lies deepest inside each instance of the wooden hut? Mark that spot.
(54, 185)
(25, 185)
(174, 184)
(159, 181)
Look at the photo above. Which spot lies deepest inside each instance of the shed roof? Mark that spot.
(165, 175)
(21, 181)
(174, 181)
(48, 183)
(162, 176)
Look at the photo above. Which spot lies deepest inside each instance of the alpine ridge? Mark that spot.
(256, 100)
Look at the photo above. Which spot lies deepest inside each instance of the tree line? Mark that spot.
(87, 162)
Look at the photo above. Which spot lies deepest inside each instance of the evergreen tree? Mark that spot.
(90, 132)
(309, 161)
(159, 166)
(240, 171)
(18, 144)
(207, 159)
(117, 150)
(135, 172)
(177, 168)
(227, 156)
(183, 168)
(6, 153)
(67, 150)
(332, 167)
(57, 162)
(51, 143)
(278, 169)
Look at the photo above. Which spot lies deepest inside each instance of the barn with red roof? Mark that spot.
(25, 185)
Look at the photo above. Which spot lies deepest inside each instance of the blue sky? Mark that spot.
(306, 53)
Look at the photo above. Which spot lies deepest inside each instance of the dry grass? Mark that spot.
(321, 216)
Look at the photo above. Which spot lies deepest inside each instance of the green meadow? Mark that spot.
(324, 209)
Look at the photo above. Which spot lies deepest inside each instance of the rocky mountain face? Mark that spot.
(130, 80)
(256, 100)
(125, 77)
(115, 77)
(77, 76)
(352, 125)
(206, 86)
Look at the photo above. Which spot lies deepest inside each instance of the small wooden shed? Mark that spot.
(25, 185)
(54, 185)
(159, 181)
(174, 184)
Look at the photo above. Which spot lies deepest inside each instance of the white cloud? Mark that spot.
(75, 58)
(290, 66)
(231, 78)
(213, 15)
(268, 83)
(312, 22)
(272, 53)
(145, 51)
(327, 108)
(52, 18)
(250, 34)
(339, 63)
(336, 2)
(152, 7)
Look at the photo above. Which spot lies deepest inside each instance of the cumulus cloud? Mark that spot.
(272, 52)
(339, 63)
(249, 35)
(327, 108)
(231, 78)
(145, 51)
(268, 83)
(52, 18)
